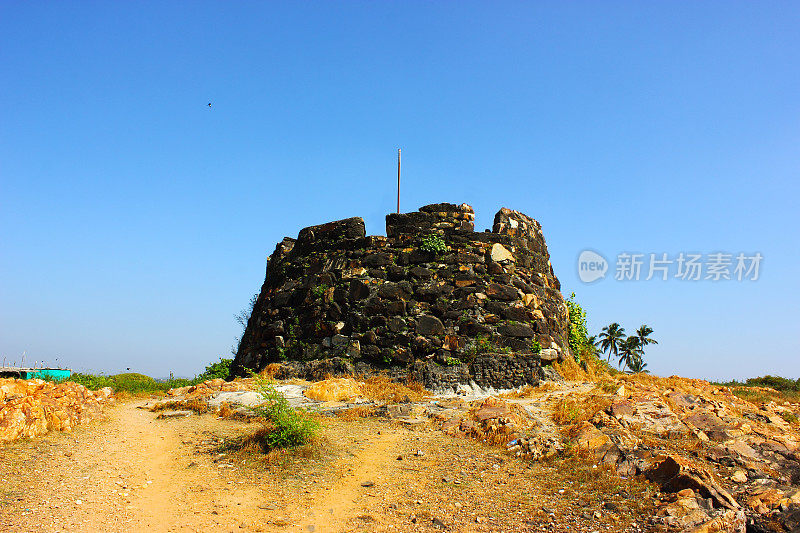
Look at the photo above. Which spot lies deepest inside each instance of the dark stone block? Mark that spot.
(391, 290)
(429, 325)
(375, 306)
(378, 259)
(378, 321)
(396, 324)
(349, 228)
(521, 285)
(358, 290)
(515, 330)
(396, 273)
(408, 223)
(396, 307)
(420, 256)
(420, 272)
(520, 314)
(501, 292)
(473, 328)
(495, 268)
(447, 208)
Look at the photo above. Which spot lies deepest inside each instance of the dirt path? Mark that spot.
(131, 473)
(136, 473)
(336, 506)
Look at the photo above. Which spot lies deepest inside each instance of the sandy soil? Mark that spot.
(134, 472)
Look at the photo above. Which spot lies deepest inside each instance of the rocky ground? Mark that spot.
(621, 453)
(30, 408)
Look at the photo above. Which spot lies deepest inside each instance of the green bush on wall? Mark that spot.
(433, 243)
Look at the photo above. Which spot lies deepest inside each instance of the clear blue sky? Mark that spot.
(135, 221)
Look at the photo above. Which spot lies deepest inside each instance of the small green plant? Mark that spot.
(319, 291)
(290, 427)
(452, 361)
(281, 352)
(433, 243)
(484, 344)
(291, 327)
(535, 346)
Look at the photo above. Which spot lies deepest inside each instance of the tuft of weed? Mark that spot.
(289, 427)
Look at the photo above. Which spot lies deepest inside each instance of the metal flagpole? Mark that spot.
(398, 181)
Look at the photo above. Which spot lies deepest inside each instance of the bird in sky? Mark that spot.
(209, 104)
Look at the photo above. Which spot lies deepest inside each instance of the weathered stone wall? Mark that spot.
(386, 302)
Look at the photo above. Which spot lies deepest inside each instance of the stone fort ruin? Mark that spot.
(433, 301)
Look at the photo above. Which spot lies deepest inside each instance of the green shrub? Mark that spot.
(135, 383)
(579, 343)
(774, 382)
(290, 427)
(433, 243)
(128, 382)
(452, 361)
(220, 369)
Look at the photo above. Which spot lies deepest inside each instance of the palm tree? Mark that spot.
(643, 333)
(629, 351)
(637, 364)
(610, 339)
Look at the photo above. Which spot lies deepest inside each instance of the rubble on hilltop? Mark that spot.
(30, 408)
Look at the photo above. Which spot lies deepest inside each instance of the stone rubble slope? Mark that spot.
(728, 464)
(30, 408)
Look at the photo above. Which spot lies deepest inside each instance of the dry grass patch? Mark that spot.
(382, 389)
(601, 483)
(528, 391)
(591, 369)
(574, 410)
(335, 390)
(270, 370)
(378, 388)
(192, 404)
(354, 413)
(694, 386)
